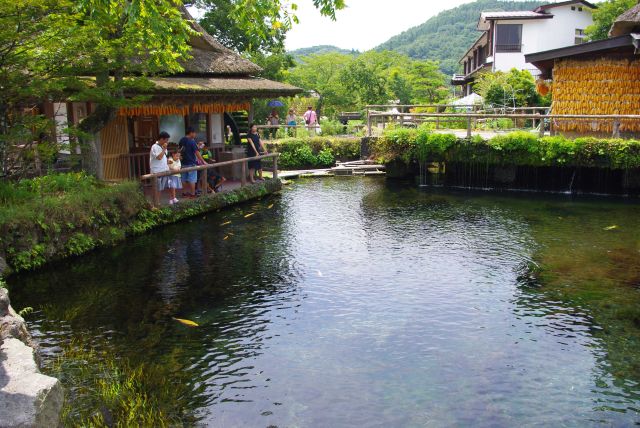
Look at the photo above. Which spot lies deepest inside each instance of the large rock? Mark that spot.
(27, 397)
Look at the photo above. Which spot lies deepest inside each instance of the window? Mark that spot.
(509, 38)
(198, 121)
(174, 125)
(573, 8)
(579, 9)
(580, 37)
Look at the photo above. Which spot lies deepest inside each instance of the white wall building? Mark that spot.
(508, 36)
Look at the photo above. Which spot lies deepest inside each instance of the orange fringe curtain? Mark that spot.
(182, 110)
(600, 87)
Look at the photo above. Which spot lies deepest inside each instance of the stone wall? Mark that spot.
(27, 397)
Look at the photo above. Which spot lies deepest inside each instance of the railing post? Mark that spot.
(616, 128)
(368, 123)
(275, 167)
(155, 192)
(203, 181)
(243, 180)
(541, 132)
(468, 126)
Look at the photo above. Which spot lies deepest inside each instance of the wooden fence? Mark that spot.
(471, 119)
(205, 168)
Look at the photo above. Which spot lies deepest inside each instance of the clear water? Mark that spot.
(360, 302)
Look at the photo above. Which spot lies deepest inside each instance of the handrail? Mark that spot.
(207, 166)
(203, 179)
(517, 116)
(616, 118)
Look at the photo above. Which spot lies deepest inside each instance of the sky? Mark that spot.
(364, 24)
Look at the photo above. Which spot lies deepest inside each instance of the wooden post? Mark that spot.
(468, 126)
(368, 123)
(275, 167)
(243, 180)
(155, 192)
(616, 128)
(203, 181)
(541, 132)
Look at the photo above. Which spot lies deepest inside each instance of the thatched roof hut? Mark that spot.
(627, 23)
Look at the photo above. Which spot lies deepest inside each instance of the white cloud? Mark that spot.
(364, 24)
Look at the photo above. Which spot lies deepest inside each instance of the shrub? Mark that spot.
(332, 127)
(297, 153)
(516, 148)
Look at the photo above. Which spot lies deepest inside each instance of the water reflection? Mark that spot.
(360, 302)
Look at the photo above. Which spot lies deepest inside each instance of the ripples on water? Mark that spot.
(351, 302)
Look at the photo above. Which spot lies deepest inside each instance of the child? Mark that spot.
(174, 181)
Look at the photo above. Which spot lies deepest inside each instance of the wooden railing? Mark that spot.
(205, 168)
(472, 118)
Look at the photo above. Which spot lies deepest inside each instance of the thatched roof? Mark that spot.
(210, 57)
(626, 23)
(223, 86)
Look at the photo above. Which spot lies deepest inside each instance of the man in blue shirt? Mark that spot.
(190, 157)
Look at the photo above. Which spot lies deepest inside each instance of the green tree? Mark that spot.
(429, 83)
(605, 15)
(251, 26)
(517, 88)
(99, 50)
(321, 74)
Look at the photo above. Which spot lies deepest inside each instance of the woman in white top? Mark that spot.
(158, 160)
(174, 181)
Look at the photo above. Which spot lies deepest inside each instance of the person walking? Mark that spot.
(158, 160)
(254, 148)
(190, 158)
(274, 121)
(311, 120)
(291, 121)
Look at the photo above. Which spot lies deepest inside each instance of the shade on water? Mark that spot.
(360, 302)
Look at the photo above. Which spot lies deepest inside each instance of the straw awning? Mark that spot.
(626, 23)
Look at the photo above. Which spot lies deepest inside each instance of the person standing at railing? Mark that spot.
(291, 121)
(190, 157)
(158, 160)
(174, 181)
(254, 148)
(274, 121)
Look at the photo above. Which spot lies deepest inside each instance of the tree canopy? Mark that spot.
(605, 15)
(517, 88)
(347, 82)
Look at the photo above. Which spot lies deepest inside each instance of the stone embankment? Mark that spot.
(27, 397)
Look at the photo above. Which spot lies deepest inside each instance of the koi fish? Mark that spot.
(225, 223)
(188, 323)
(611, 227)
(249, 215)
(226, 237)
(270, 206)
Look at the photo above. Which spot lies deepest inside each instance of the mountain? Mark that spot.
(447, 36)
(321, 49)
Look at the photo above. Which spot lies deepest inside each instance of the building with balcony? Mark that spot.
(508, 36)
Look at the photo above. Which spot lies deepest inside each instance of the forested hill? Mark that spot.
(321, 49)
(447, 36)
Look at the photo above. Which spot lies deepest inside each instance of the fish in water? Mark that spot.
(225, 223)
(226, 237)
(188, 323)
(270, 206)
(611, 227)
(249, 215)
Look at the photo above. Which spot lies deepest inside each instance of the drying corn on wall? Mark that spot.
(597, 87)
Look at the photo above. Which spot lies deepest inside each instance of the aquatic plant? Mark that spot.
(106, 391)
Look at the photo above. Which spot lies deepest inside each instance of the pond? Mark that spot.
(363, 302)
